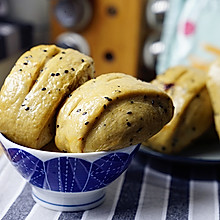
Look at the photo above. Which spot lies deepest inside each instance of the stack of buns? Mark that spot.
(195, 91)
(51, 94)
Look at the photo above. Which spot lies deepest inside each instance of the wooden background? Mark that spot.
(115, 35)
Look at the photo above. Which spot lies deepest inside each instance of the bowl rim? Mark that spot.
(64, 154)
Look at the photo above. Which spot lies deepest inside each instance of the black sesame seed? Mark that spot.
(58, 126)
(84, 113)
(52, 74)
(20, 69)
(69, 95)
(66, 71)
(96, 118)
(104, 124)
(26, 109)
(43, 89)
(139, 129)
(174, 142)
(61, 58)
(163, 148)
(72, 69)
(45, 50)
(25, 63)
(82, 60)
(78, 110)
(23, 105)
(63, 52)
(128, 124)
(82, 139)
(129, 113)
(132, 102)
(57, 74)
(109, 99)
(86, 123)
(104, 106)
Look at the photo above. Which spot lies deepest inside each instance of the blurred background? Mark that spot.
(139, 37)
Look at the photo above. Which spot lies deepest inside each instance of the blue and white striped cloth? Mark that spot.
(140, 193)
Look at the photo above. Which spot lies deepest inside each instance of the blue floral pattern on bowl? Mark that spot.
(69, 174)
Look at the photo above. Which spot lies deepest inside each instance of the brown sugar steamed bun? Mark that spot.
(213, 86)
(113, 111)
(35, 87)
(193, 114)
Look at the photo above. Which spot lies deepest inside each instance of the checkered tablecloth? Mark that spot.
(140, 193)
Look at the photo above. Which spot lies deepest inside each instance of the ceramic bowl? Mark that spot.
(68, 181)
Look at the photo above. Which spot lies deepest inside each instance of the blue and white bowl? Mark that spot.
(68, 181)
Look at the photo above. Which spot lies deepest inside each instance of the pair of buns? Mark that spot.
(50, 90)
